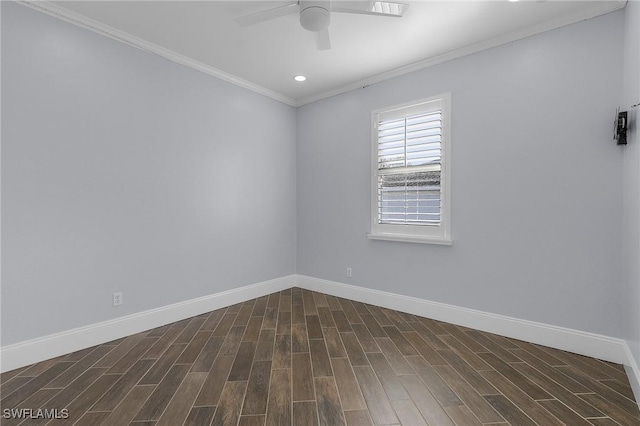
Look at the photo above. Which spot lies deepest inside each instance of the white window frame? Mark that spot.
(428, 234)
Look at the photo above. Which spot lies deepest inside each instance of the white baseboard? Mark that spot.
(594, 345)
(633, 372)
(43, 348)
(580, 342)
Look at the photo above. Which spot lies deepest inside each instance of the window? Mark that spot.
(411, 180)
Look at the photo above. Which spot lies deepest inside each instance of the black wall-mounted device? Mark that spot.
(620, 132)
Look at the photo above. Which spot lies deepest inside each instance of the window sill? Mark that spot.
(411, 239)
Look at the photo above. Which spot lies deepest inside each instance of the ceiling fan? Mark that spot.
(315, 16)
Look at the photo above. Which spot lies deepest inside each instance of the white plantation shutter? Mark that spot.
(409, 167)
(409, 190)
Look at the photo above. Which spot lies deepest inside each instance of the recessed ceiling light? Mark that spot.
(512, 1)
(299, 78)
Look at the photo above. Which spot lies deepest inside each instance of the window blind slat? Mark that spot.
(423, 148)
(429, 140)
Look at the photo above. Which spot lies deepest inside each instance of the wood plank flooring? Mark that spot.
(303, 358)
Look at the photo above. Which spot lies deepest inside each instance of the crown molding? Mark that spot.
(606, 7)
(124, 37)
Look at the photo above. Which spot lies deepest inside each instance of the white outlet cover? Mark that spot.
(117, 299)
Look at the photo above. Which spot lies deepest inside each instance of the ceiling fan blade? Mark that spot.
(379, 8)
(265, 15)
(323, 41)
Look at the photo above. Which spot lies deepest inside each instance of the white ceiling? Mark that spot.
(265, 57)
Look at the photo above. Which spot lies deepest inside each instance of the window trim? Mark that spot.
(426, 234)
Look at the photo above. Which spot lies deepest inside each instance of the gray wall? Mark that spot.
(536, 183)
(631, 86)
(122, 171)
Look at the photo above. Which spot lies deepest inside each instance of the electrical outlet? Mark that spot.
(117, 298)
(349, 272)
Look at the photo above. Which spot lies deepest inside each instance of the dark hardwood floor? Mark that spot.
(305, 358)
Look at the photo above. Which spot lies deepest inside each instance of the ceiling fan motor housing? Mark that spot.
(315, 15)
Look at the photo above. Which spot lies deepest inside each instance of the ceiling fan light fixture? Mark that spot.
(387, 8)
(315, 15)
(315, 18)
